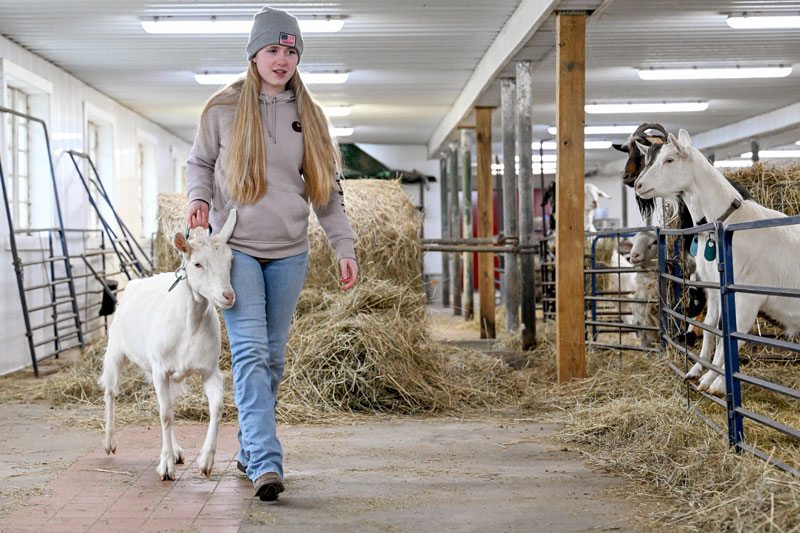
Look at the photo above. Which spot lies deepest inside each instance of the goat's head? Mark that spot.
(644, 249)
(636, 160)
(636, 163)
(591, 195)
(668, 171)
(208, 263)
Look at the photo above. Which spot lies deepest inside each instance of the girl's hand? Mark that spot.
(197, 214)
(349, 269)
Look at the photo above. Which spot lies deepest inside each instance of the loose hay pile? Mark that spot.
(625, 417)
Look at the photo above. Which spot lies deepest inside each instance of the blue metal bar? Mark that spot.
(690, 283)
(662, 284)
(767, 223)
(768, 385)
(774, 343)
(693, 322)
(733, 394)
(770, 291)
(594, 287)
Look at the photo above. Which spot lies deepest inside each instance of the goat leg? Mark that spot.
(213, 385)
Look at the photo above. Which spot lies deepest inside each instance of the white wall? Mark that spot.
(66, 124)
(415, 157)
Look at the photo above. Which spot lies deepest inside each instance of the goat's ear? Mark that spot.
(603, 194)
(620, 147)
(642, 148)
(683, 137)
(227, 229)
(678, 143)
(181, 244)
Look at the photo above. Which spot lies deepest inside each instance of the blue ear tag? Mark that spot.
(693, 247)
(710, 252)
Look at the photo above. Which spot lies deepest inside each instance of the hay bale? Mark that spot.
(171, 220)
(384, 220)
(772, 185)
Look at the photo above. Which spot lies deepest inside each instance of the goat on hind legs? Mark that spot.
(763, 257)
(171, 334)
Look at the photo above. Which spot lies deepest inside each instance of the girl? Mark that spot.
(263, 146)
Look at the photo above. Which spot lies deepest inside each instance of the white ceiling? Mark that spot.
(410, 60)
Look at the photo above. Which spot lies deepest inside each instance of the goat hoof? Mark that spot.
(205, 464)
(166, 470)
(179, 457)
(111, 446)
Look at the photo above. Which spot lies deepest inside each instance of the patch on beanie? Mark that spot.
(287, 39)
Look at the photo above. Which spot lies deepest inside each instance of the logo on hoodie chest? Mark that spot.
(296, 126)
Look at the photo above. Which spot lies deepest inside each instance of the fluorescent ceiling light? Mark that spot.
(732, 163)
(588, 145)
(228, 25)
(341, 132)
(323, 77)
(714, 73)
(760, 23)
(600, 130)
(337, 111)
(216, 79)
(773, 154)
(656, 107)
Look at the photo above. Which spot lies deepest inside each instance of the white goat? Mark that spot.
(644, 254)
(766, 257)
(622, 283)
(591, 195)
(172, 333)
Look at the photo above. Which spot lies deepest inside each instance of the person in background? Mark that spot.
(264, 147)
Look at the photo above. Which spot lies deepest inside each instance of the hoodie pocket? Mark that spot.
(277, 217)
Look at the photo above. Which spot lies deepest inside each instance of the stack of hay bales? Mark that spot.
(363, 350)
(773, 186)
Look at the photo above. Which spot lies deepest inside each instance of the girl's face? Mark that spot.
(276, 65)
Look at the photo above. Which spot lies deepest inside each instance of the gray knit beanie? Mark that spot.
(274, 26)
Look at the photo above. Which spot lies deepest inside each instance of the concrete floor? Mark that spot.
(403, 474)
(399, 475)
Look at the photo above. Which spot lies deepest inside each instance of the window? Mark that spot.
(92, 151)
(148, 182)
(17, 167)
(26, 160)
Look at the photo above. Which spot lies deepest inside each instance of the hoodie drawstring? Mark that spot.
(272, 130)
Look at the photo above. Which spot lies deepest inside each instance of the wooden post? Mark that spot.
(570, 98)
(466, 222)
(455, 225)
(527, 234)
(483, 131)
(511, 285)
(445, 228)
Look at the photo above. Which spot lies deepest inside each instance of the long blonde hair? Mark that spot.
(246, 163)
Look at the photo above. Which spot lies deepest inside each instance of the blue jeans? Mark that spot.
(258, 327)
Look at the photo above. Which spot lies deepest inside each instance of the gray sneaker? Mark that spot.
(268, 487)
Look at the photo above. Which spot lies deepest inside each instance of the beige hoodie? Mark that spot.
(276, 225)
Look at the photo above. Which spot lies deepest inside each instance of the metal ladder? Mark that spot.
(122, 240)
(49, 261)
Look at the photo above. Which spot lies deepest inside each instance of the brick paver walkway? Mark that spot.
(122, 492)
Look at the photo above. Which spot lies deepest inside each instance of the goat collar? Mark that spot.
(180, 274)
(733, 207)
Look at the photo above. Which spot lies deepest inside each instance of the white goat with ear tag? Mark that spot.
(171, 334)
(762, 257)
